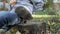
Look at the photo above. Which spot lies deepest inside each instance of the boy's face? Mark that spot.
(12, 2)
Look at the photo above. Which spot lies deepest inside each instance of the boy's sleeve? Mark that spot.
(38, 4)
(8, 18)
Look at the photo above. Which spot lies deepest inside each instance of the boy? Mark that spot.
(29, 5)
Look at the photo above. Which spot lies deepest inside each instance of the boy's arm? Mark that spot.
(38, 4)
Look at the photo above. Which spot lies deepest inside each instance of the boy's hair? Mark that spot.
(23, 13)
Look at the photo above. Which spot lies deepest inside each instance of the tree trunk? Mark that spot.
(56, 4)
(4, 3)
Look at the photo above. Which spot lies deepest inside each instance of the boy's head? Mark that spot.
(23, 13)
(12, 2)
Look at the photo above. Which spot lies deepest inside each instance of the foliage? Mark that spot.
(52, 22)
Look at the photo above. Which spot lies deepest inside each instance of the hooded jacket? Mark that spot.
(8, 18)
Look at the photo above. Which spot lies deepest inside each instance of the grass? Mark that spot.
(18, 32)
(39, 15)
